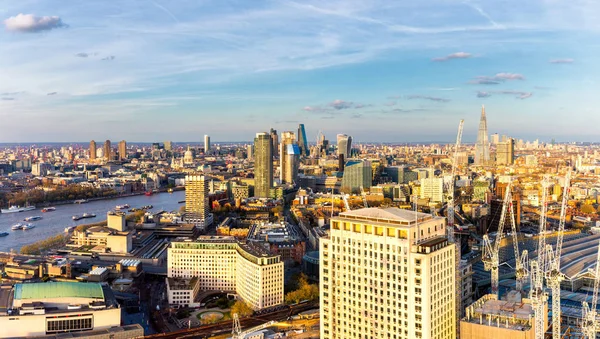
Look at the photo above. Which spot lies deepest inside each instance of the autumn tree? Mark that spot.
(242, 309)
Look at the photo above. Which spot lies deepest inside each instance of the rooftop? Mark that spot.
(391, 214)
(50, 290)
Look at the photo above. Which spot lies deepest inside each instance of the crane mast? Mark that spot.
(553, 274)
(491, 260)
(521, 259)
(450, 208)
(590, 324)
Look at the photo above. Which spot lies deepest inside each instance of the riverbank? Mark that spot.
(135, 194)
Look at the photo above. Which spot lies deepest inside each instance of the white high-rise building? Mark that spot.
(387, 273)
(197, 208)
(214, 263)
(433, 189)
(206, 144)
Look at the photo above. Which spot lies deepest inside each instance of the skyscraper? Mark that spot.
(302, 141)
(357, 174)
(168, 145)
(206, 144)
(107, 150)
(274, 142)
(197, 208)
(292, 162)
(122, 150)
(387, 273)
(287, 138)
(344, 143)
(263, 165)
(505, 152)
(482, 147)
(92, 150)
(250, 152)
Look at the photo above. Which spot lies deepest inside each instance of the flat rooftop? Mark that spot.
(514, 315)
(391, 215)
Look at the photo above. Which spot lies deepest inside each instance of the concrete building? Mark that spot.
(433, 189)
(206, 144)
(263, 165)
(107, 151)
(489, 318)
(357, 175)
(387, 273)
(505, 152)
(197, 207)
(122, 150)
(41, 168)
(287, 138)
(39, 309)
(102, 239)
(250, 152)
(168, 145)
(292, 163)
(224, 264)
(92, 152)
(116, 221)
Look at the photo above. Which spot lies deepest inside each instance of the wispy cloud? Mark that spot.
(457, 55)
(426, 97)
(52, 93)
(496, 79)
(390, 103)
(517, 94)
(82, 55)
(8, 98)
(561, 61)
(110, 57)
(341, 104)
(30, 23)
(481, 94)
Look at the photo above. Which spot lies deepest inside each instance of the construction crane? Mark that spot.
(491, 260)
(450, 208)
(364, 196)
(589, 325)
(541, 249)
(237, 333)
(553, 274)
(346, 204)
(521, 259)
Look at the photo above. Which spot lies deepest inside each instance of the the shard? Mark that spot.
(482, 147)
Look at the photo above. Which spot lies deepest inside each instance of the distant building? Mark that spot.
(274, 143)
(432, 188)
(287, 138)
(482, 146)
(40, 309)
(41, 168)
(250, 152)
(92, 152)
(302, 141)
(357, 175)
(107, 150)
(206, 144)
(122, 150)
(495, 139)
(102, 239)
(344, 144)
(263, 165)
(292, 163)
(245, 269)
(505, 152)
(168, 145)
(197, 207)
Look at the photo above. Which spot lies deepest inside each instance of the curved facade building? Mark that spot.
(344, 143)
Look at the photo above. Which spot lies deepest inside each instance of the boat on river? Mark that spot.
(15, 209)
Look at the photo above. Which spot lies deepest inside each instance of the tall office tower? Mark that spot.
(92, 150)
(122, 150)
(274, 142)
(263, 165)
(287, 138)
(357, 174)
(344, 143)
(197, 207)
(482, 147)
(250, 152)
(168, 145)
(107, 150)
(206, 144)
(505, 152)
(292, 162)
(302, 141)
(495, 139)
(387, 273)
(432, 188)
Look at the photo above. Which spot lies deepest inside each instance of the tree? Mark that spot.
(588, 209)
(242, 309)
(304, 291)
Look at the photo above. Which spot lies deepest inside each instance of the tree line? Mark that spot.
(69, 192)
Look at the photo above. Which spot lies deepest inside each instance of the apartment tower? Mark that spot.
(263, 165)
(92, 150)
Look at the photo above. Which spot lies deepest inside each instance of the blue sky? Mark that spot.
(377, 70)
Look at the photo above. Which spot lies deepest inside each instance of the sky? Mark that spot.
(389, 71)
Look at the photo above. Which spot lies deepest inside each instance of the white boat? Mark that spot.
(33, 218)
(48, 209)
(80, 201)
(28, 226)
(16, 226)
(69, 229)
(14, 209)
(122, 207)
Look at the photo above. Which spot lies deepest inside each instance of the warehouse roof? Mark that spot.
(50, 290)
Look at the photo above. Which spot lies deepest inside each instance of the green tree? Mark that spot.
(242, 309)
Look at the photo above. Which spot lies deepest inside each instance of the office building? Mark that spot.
(344, 144)
(432, 188)
(122, 150)
(107, 150)
(505, 152)
(250, 152)
(302, 141)
(287, 138)
(387, 273)
(274, 143)
(168, 146)
(213, 263)
(197, 207)
(357, 175)
(206, 144)
(263, 165)
(292, 163)
(482, 146)
(39, 309)
(495, 139)
(92, 150)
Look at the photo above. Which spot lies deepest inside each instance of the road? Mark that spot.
(225, 327)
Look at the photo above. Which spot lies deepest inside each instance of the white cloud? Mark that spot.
(31, 23)
(457, 55)
(562, 61)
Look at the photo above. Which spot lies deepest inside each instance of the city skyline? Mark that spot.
(407, 72)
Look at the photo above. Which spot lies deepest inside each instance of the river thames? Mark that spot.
(53, 223)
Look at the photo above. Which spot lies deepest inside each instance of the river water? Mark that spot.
(53, 223)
